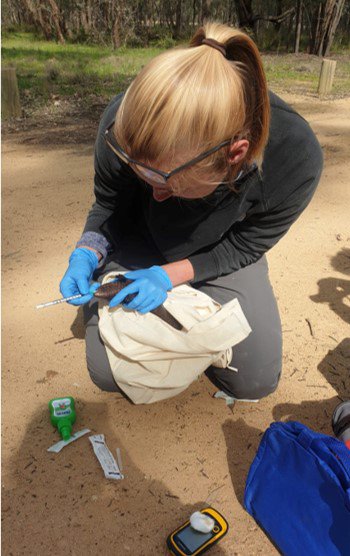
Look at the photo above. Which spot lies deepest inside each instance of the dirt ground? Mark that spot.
(179, 454)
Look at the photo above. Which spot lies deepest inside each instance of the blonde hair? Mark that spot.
(188, 100)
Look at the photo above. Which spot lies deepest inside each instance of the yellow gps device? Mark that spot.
(186, 541)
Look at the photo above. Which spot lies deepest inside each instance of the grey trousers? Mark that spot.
(258, 358)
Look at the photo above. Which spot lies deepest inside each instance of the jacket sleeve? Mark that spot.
(246, 241)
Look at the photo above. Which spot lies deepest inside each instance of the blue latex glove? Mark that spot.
(151, 285)
(82, 264)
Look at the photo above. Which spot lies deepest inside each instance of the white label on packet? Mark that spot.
(62, 443)
(104, 456)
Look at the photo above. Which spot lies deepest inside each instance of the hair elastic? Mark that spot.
(215, 44)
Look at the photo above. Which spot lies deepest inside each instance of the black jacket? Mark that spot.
(223, 231)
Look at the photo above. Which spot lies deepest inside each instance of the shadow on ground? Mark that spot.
(242, 442)
(78, 327)
(67, 495)
(335, 291)
(317, 414)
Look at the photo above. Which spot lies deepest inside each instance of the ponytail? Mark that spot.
(245, 58)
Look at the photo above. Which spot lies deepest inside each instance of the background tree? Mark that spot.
(326, 22)
(298, 25)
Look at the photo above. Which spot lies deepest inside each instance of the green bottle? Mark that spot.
(62, 413)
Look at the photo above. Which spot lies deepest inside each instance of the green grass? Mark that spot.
(46, 68)
(300, 73)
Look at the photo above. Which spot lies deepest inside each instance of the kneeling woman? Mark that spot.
(199, 171)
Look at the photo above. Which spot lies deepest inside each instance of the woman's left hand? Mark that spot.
(150, 284)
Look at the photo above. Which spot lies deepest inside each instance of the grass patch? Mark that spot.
(46, 69)
(300, 73)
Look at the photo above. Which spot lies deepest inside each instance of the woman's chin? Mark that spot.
(160, 195)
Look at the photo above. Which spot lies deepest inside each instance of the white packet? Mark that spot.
(105, 457)
(202, 522)
(62, 443)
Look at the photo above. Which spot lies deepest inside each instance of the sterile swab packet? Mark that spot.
(62, 443)
(201, 522)
(105, 457)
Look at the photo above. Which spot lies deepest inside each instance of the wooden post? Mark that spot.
(298, 26)
(10, 105)
(326, 76)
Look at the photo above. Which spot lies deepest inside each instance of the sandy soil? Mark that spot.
(179, 454)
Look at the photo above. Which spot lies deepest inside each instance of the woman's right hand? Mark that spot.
(76, 280)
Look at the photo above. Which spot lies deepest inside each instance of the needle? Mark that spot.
(61, 300)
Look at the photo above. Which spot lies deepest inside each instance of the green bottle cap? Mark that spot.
(65, 430)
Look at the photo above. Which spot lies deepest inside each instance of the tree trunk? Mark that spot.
(328, 19)
(327, 14)
(289, 31)
(169, 17)
(298, 26)
(206, 5)
(333, 27)
(178, 14)
(279, 12)
(89, 15)
(308, 26)
(10, 13)
(116, 32)
(56, 21)
(231, 9)
(315, 30)
(83, 17)
(38, 19)
(44, 24)
(245, 14)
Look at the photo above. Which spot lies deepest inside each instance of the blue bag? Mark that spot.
(298, 491)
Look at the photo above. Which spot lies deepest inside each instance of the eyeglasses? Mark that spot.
(147, 171)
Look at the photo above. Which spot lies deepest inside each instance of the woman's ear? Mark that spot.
(238, 151)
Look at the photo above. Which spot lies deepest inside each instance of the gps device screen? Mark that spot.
(191, 540)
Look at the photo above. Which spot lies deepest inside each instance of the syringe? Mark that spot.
(93, 287)
(61, 300)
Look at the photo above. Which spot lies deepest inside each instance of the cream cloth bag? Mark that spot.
(151, 360)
